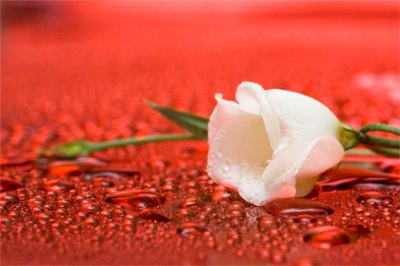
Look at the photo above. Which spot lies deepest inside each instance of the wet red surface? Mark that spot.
(80, 70)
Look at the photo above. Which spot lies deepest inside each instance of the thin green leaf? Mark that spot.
(196, 125)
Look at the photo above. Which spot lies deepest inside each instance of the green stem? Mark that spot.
(380, 141)
(380, 127)
(370, 140)
(78, 148)
(390, 152)
(386, 146)
(127, 141)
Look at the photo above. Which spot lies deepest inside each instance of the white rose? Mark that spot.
(271, 144)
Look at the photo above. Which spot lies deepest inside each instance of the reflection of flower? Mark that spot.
(271, 144)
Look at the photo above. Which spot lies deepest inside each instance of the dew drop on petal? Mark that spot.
(226, 167)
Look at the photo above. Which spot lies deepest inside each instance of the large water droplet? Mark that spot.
(373, 197)
(154, 215)
(57, 186)
(356, 230)
(137, 199)
(324, 237)
(100, 175)
(296, 207)
(340, 179)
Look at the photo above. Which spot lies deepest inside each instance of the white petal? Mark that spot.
(326, 152)
(279, 177)
(303, 117)
(302, 159)
(253, 98)
(239, 144)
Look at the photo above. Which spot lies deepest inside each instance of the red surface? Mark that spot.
(80, 70)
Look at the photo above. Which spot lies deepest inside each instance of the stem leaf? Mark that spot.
(196, 125)
(71, 149)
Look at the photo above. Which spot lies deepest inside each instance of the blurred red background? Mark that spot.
(96, 61)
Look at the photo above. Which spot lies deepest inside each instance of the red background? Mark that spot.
(81, 69)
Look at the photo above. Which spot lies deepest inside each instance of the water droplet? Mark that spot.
(154, 215)
(297, 207)
(221, 195)
(235, 214)
(343, 178)
(61, 213)
(265, 222)
(104, 175)
(226, 167)
(137, 199)
(373, 197)
(107, 214)
(357, 230)
(187, 229)
(10, 198)
(324, 237)
(103, 182)
(7, 184)
(236, 205)
(184, 212)
(168, 187)
(89, 207)
(192, 201)
(109, 169)
(92, 222)
(57, 186)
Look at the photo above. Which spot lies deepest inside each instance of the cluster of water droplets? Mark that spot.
(159, 207)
